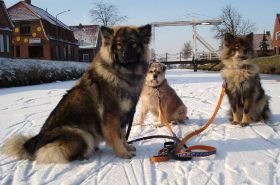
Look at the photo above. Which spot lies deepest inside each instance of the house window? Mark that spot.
(85, 57)
(278, 35)
(25, 29)
(57, 53)
(8, 43)
(1, 43)
(65, 53)
(69, 50)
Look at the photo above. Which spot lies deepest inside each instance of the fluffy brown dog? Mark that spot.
(173, 107)
(98, 107)
(247, 98)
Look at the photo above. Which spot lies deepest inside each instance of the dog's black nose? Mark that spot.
(155, 76)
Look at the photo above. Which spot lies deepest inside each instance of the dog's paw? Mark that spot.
(130, 148)
(244, 124)
(126, 155)
(158, 125)
(234, 123)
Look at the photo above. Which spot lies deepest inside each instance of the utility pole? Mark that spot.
(56, 46)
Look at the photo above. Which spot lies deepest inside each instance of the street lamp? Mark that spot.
(56, 47)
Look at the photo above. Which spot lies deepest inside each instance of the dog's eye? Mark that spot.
(150, 71)
(132, 43)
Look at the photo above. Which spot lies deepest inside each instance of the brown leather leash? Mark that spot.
(177, 150)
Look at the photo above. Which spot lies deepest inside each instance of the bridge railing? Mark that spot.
(179, 57)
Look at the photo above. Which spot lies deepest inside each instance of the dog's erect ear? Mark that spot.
(107, 33)
(163, 67)
(145, 33)
(228, 39)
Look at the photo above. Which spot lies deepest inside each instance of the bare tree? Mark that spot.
(233, 22)
(187, 49)
(106, 14)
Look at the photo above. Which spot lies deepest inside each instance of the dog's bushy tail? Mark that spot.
(14, 146)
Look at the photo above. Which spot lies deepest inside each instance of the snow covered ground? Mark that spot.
(249, 155)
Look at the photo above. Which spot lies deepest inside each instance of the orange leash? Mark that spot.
(174, 150)
(196, 132)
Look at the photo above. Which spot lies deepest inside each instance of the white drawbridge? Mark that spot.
(195, 36)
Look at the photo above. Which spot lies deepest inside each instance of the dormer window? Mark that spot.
(25, 29)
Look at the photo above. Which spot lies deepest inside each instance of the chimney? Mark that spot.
(28, 1)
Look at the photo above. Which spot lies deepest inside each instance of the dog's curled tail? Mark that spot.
(14, 147)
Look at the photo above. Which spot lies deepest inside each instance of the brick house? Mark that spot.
(276, 35)
(89, 39)
(38, 34)
(6, 28)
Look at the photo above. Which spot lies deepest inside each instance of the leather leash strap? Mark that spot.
(173, 150)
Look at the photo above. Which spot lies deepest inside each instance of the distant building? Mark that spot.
(6, 28)
(89, 39)
(38, 34)
(257, 42)
(276, 35)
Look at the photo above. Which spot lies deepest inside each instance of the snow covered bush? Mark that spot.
(22, 72)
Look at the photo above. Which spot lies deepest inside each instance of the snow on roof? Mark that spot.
(258, 39)
(47, 16)
(31, 12)
(87, 35)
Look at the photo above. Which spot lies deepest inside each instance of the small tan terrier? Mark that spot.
(173, 107)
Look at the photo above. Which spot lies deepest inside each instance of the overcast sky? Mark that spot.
(168, 39)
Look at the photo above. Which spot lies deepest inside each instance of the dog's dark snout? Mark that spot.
(155, 76)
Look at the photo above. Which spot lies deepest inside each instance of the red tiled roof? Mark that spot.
(31, 12)
(11, 25)
(22, 13)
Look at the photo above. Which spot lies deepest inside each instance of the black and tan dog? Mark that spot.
(247, 98)
(98, 107)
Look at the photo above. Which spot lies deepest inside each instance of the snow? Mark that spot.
(10, 65)
(247, 155)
